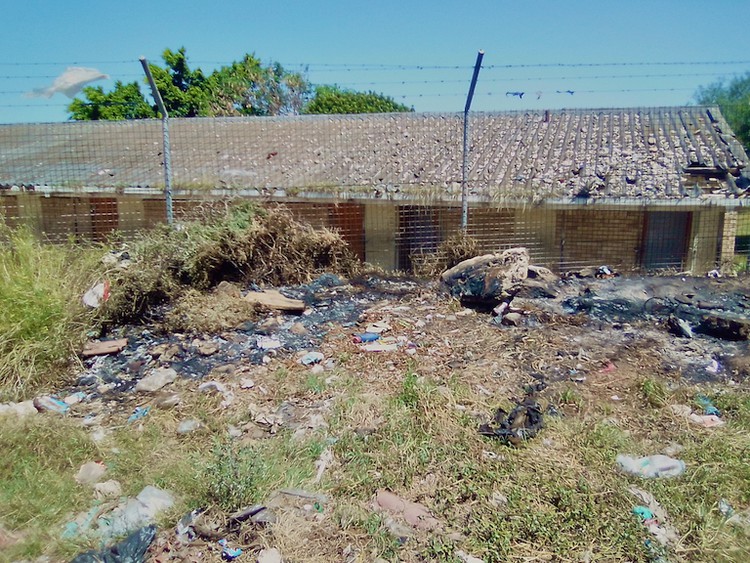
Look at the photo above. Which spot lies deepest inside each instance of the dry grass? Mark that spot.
(245, 245)
(456, 248)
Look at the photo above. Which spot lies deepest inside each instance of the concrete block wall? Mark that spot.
(604, 237)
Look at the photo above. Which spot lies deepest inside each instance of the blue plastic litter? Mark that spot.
(138, 414)
(707, 405)
(229, 553)
(366, 337)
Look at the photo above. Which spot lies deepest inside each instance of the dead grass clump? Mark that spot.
(195, 311)
(245, 245)
(456, 248)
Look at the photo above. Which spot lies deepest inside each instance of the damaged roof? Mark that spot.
(653, 153)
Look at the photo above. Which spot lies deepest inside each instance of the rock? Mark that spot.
(512, 319)
(246, 383)
(725, 326)
(7, 539)
(414, 513)
(108, 489)
(207, 348)
(271, 555)
(90, 473)
(273, 299)
(188, 426)
(166, 400)
(488, 279)
(219, 388)
(156, 380)
(229, 289)
(298, 329)
(466, 558)
(541, 273)
(18, 410)
(679, 327)
(537, 289)
(103, 347)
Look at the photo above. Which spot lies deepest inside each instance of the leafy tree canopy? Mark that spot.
(244, 87)
(332, 99)
(733, 99)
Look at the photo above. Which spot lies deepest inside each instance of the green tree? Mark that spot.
(332, 99)
(245, 87)
(241, 88)
(125, 101)
(733, 99)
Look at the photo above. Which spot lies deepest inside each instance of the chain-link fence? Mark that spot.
(634, 189)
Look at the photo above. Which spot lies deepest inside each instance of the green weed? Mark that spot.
(42, 319)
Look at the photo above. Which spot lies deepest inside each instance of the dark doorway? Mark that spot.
(666, 240)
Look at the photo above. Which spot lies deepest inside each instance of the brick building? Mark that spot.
(632, 188)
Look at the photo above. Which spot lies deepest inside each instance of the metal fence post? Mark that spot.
(165, 136)
(465, 172)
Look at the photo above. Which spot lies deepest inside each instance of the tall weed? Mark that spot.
(42, 319)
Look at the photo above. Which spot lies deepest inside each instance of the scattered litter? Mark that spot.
(414, 513)
(725, 508)
(51, 404)
(380, 347)
(229, 553)
(74, 398)
(524, 421)
(378, 327)
(188, 426)
(311, 358)
(466, 558)
(740, 519)
(654, 517)
(267, 342)
(707, 405)
(130, 550)
(322, 463)
(90, 473)
(246, 383)
(652, 466)
(681, 410)
(96, 295)
(103, 347)
(271, 555)
(706, 420)
(127, 516)
(365, 337)
(157, 379)
(216, 387)
(713, 367)
(107, 489)
(138, 414)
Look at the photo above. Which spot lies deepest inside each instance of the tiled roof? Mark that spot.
(644, 153)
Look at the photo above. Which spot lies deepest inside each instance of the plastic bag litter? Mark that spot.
(651, 466)
(130, 550)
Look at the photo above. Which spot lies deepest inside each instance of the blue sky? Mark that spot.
(391, 47)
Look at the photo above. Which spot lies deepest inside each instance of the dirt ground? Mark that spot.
(405, 420)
